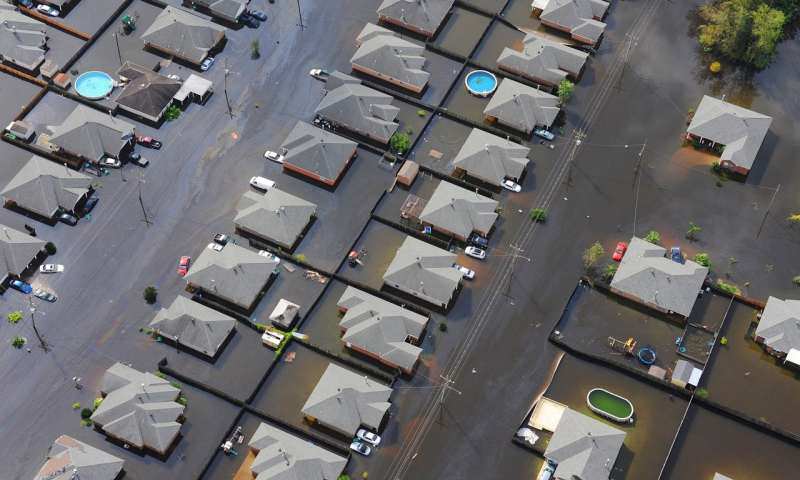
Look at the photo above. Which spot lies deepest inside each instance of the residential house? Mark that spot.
(23, 40)
(70, 459)
(139, 409)
(458, 212)
(317, 154)
(380, 329)
(647, 276)
(88, 135)
(234, 274)
(739, 132)
(280, 455)
(521, 107)
(19, 253)
(229, 10)
(579, 18)
(542, 60)
(778, 329)
(425, 272)
(194, 89)
(194, 326)
(719, 476)
(146, 94)
(419, 16)
(345, 401)
(46, 188)
(184, 35)
(490, 158)
(358, 108)
(583, 447)
(277, 217)
(386, 56)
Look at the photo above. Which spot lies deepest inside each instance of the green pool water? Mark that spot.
(610, 403)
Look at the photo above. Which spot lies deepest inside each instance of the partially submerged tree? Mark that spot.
(592, 255)
(150, 294)
(693, 230)
(400, 143)
(653, 237)
(565, 91)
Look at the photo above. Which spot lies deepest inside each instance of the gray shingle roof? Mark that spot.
(522, 107)
(147, 93)
(344, 401)
(91, 134)
(359, 108)
(17, 249)
(183, 32)
(425, 271)
(235, 274)
(741, 130)
(227, 9)
(577, 16)
(283, 456)
(387, 53)
(645, 273)
(276, 216)
(194, 325)
(44, 187)
(780, 324)
(22, 39)
(491, 158)
(138, 408)
(459, 211)
(422, 15)
(543, 60)
(68, 457)
(719, 476)
(583, 447)
(319, 151)
(381, 327)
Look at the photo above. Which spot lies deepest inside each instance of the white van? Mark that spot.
(262, 183)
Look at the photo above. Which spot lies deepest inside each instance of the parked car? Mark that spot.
(95, 170)
(547, 471)
(259, 15)
(48, 10)
(221, 238)
(206, 64)
(511, 186)
(177, 78)
(360, 447)
(23, 287)
(262, 183)
(91, 202)
(26, 3)
(215, 246)
(249, 20)
(140, 162)
(270, 255)
(274, 156)
(68, 218)
(478, 241)
(546, 134)
(319, 73)
(51, 268)
(150, 142)
(183, 265)
(111, 162)
(676, 255)
(475, 252)
(619, 252)
(369, 437)
(45, 295)
(465, 272)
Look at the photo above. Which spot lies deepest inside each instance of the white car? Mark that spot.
(369, 437)
(175, 77)
(274, 156)
(262, 183)
(511, 186)
(360, 447)
(51, 268)
(475, 252)
(206, 64)
(318, 73)
(48, 10)
(546, 134)
(270, 255)
(215, 246)
(465, 272)
(110, 162)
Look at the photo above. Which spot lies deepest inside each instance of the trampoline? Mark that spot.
(647, 356)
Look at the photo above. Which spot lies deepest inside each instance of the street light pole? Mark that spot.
(225, 89)
(300, 14)
(42, 343)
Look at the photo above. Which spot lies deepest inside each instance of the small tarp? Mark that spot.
(546, 415)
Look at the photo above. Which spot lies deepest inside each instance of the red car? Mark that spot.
(619, 252)
(148, 142)
(183, 265)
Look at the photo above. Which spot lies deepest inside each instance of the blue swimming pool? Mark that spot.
(94, 85)
(481, 83)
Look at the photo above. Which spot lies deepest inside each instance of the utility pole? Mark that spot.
(764, 220)
(516, 253)
(119, 52)
(42, 343)
(625, 61)
(141, 203)
(300, 15)
(637, 180)
(447, 385)
(225, 88)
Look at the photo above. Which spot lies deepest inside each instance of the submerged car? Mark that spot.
(676, 255)
(111, 162)
(619, 252)
(183, 265)
(45, 295)
(207, 64)
(147, 141)
(259, 15)
(48, 10)
(68, 218)
(475, 252)
(270, 255)
(91, 202)
(221, 239)
(465, 272)
(369, 437)
(478, 241)
(546, 134)
(511, 186)
(21, 286)
(274, 156)
(360, 447)
(318, 73)
(262, 183)
(51, 268)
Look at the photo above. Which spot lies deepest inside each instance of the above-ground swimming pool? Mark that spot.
(610, 405)
(94, 85)
(480, 83)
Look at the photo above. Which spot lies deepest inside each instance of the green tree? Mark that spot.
(14, 317)
(592, 254)
(703, 259)
(18, 342)
(255, 49)
(538, 215)
(609, 271)
(172, 113)
(400, 143)
(50, 248)
(150, 294)
(693, 230)
(565, 90)
(653, 237)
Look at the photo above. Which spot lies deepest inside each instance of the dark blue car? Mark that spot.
(21, 286)
(676, 255)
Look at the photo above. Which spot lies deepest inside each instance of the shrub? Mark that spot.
(182, 400)
(723, 340)
(160, 375)
(421, 112)
(175, 385)
(86, 413)
(260, 327)
(443, 327)
(653, 237)
(172, 113)
(565, 90)
(150, 294)
(97, 402)
(796, 280)
(693, 230)
(703, 259)
(14, 317)
(18, 342)
(255, 49)
(728, 288)
(701, 392)
(400, 143)
(299, 257)
(86, 422)
(609, 271)
(344, 476)
(794, 219)
(592, 254)
(538, 215)
(76, 405)
(50, 248)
